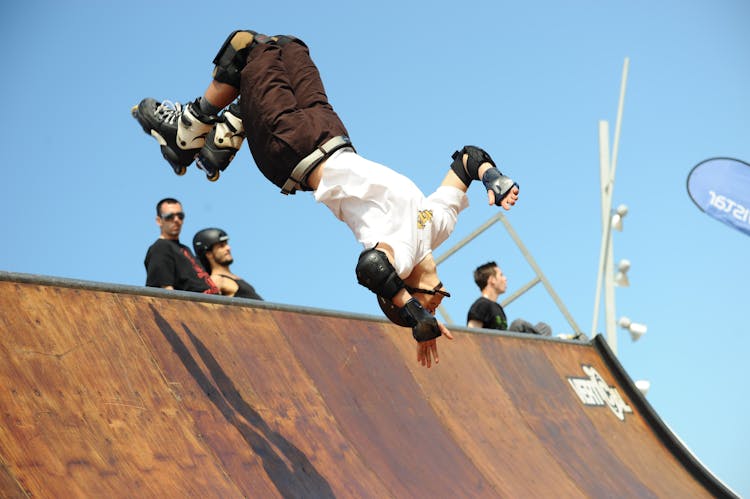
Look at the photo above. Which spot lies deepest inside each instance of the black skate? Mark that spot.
(177, 129)
(222, 143)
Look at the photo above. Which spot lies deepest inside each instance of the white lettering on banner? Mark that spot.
(727, 205)
(594, 391)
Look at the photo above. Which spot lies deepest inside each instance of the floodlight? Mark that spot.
(617, 217)
(643, 386)
(621, 278)
(636, 330)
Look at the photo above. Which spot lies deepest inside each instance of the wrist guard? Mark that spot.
(475, 158)
(424, 327)
(376, 273)
(498, 183)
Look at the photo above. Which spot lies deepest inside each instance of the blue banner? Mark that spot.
(721, 188)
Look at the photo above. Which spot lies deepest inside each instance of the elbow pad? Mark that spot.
(475, 157)
(376, 273)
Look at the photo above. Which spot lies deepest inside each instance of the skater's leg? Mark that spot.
(278, 132)
(182, 130)
(303, 75)
(222, 143)
(179, 129)
(220, 95)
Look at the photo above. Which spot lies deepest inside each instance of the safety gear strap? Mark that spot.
(475, 157)
(302, 170)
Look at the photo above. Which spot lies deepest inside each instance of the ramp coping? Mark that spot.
(45, 280)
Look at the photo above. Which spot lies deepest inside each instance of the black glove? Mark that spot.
(498, 183)
(424, 326)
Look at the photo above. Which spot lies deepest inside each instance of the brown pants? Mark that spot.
(284, 107)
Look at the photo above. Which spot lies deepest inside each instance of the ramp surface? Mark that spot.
(112, 391)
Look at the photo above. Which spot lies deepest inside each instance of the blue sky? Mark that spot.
(413, 81)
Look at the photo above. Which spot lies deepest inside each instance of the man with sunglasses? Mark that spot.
(170, 264)
(299, 143)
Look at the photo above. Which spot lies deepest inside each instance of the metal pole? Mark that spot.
(520, 291)
(445, 315)
(609, 285)
(620, 105)
(607, 170)
(540, 274)
(463, 242)
(606, 218)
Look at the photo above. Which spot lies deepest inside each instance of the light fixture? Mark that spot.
(636, 330)
(621, 278)
(643, 386)
(617, 217)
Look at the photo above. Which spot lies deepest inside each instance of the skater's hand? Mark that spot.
(506, 203)
(427, 350)
(501, 190)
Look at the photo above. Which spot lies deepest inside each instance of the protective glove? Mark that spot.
(498, 183)
(424, 326)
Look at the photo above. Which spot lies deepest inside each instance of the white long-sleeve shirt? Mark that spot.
(382, 206)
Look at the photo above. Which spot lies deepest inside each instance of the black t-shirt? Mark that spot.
(489, 313)
(169, 263)
(244, 289)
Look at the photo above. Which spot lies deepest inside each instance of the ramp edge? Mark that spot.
(670, 440)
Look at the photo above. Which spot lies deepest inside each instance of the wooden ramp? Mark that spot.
(115, 391)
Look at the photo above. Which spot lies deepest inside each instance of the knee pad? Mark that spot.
(376, 273)
(284, 39)
(232, 57)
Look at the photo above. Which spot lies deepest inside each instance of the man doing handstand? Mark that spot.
(299, 143)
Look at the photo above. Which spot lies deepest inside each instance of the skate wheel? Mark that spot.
(134, 111)
(214, 177)
(180, 170)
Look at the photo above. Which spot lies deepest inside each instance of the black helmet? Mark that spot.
(204, 240)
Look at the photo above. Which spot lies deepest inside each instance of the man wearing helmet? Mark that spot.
(212, 248)
(299, 143)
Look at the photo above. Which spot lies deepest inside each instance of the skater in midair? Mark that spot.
(299, 143)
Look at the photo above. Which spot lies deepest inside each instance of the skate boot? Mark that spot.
(180, 130)
(222, 143)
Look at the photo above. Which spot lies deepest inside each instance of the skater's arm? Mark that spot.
(452, 180)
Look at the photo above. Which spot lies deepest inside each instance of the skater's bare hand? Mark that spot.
(427, 350)
(509, 200)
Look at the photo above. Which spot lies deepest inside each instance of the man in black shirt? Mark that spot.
(212, 248)
(169, 264)
(486, 313)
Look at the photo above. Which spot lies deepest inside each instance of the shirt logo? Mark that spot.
(594, 391)
(423, 218)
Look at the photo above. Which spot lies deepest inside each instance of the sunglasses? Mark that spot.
(434, 291)
(170, 216)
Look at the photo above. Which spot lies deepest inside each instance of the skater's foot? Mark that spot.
(222, 143)
(180, 130)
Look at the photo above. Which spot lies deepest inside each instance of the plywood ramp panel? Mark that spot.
(85, 410)
(116, 391)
